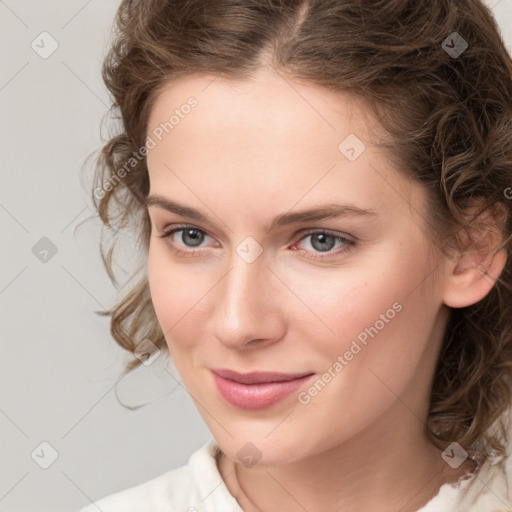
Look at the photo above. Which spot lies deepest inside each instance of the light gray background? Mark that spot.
(58, 365)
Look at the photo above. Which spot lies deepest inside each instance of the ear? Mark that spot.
(472, 272)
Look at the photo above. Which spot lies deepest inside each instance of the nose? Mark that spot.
(248, 311)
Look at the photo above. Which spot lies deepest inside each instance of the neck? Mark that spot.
(392, 467)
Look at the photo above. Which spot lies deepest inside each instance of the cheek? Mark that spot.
(342, 303)
(383, 316)
(176, 297)
(380, 315)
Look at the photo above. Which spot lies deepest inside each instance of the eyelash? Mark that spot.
(349, 244)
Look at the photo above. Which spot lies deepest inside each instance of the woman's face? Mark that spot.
(254, 283)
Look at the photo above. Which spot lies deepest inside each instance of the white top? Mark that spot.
(198, 487)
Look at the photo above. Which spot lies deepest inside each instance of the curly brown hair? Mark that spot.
(439, 79)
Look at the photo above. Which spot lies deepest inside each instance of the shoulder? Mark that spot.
(489, 489)
(183, 489)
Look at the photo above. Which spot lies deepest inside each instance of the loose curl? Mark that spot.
(449, 121)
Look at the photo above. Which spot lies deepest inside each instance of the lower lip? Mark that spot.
(257, 396)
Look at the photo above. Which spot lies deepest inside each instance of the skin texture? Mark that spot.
(248, 152)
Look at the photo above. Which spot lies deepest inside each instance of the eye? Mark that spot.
(323, 243)
(191, 237)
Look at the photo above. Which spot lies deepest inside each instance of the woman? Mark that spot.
(323, 191)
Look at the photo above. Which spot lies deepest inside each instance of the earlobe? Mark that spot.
(472, 275)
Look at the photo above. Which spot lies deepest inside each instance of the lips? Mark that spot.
(258, 377)
(257, 390)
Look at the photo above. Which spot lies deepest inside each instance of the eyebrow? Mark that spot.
(327, 211)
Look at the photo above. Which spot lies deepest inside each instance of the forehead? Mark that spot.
(266, 137)
(268, 109)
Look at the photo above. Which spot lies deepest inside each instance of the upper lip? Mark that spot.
(258, 377)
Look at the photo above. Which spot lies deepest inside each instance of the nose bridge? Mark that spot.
(242, 311)
(244, 284)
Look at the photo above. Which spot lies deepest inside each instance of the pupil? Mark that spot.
(193, 235)
(324, 240)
